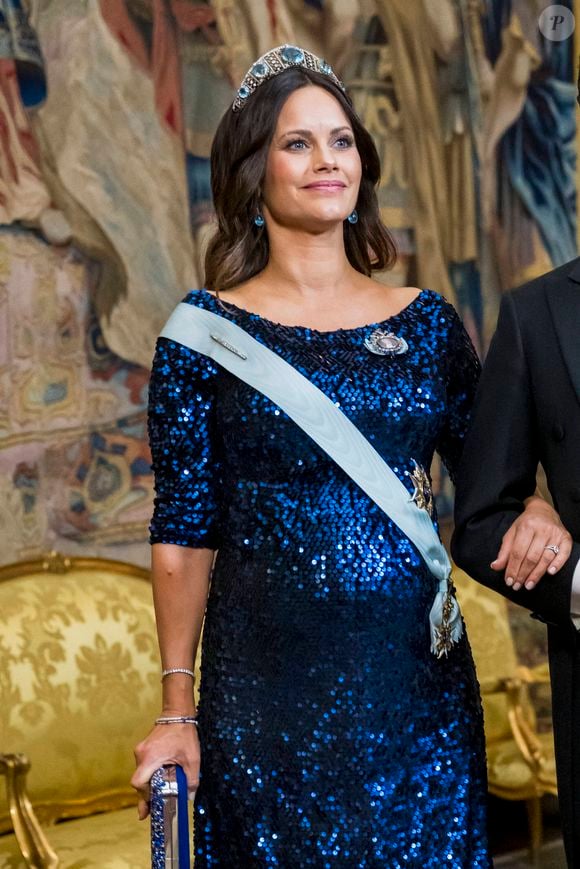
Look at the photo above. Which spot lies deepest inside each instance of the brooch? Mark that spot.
(385, 343)
(423, 494)
(222, 341)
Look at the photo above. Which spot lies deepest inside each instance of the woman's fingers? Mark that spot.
(541, 558)
(535, 563)
(549, 561)
(169, 747)
(140, 781)
(524, 555)
(526, 568)
(522, 540)
(142, 776)
(191, 774)
(141, 785)
(501, 561)
(191, 771)
(565, 545)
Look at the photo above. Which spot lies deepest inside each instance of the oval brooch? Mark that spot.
(385, 343)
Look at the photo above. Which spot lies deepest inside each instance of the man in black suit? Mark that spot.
(527, 412)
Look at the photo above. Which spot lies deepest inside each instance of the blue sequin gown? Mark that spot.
(331, 736)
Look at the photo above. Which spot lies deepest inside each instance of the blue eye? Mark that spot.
(345, 142)
(296, 145)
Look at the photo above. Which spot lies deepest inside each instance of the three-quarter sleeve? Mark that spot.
(463, 371)
(181, 423)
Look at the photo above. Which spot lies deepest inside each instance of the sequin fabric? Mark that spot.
(331, 736)
(158, 844)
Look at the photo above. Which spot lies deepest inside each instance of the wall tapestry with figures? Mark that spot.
(108, 108)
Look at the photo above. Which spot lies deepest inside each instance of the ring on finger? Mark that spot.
(553, 548)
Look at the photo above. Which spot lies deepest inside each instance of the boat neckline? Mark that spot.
(253, 315)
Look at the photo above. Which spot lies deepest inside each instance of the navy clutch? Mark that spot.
(169, 810)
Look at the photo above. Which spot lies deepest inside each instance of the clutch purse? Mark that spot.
(169, 809)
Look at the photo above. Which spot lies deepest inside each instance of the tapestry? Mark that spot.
(74, 462)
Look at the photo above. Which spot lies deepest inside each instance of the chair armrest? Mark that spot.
(539, 675)
(493, 686)
(32, 842)
(524, 735)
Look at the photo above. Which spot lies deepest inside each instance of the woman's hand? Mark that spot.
(167, 743)
(524, 553)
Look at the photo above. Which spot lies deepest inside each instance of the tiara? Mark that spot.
(276, 61)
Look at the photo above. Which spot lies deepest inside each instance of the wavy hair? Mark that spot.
(238, 249)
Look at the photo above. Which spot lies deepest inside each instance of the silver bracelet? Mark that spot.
(185, 670)
(176, 719)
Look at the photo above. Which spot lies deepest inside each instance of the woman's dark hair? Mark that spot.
(238, 250)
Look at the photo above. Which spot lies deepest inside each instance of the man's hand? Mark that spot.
(524, 553)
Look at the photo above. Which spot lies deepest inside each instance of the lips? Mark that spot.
(326, 185)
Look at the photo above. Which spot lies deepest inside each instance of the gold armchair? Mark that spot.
(79, 686)
(520, 758)
(34, 845)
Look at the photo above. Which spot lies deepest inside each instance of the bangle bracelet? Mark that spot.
(177, 719)
(185, 670)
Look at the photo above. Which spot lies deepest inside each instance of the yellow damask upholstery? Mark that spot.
(79, 686)
(520, 761)
(113, 840)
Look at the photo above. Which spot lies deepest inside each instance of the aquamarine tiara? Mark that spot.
(276, 61)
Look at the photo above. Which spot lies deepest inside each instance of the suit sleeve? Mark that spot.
(498, 471)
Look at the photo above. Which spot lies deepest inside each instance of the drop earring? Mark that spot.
(353, 217)
(259, 220)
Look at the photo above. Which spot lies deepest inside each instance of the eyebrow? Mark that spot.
(307, 133)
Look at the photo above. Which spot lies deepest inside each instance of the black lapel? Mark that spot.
(563, 298)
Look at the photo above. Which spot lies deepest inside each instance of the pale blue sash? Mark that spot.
(249, 360)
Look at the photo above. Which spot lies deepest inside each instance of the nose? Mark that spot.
(324, 159)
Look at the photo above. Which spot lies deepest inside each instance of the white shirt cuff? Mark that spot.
(575, 597)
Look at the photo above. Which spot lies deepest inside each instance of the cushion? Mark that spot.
(115, 840)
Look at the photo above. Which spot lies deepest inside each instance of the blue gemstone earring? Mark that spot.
(259, 220)
(353, 216)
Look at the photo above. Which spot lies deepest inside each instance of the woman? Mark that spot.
(330, 734)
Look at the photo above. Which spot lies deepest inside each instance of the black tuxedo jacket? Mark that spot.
(527, 411)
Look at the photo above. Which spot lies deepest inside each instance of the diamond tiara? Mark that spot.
(276, 61)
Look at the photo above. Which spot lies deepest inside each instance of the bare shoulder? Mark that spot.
(399, 297)
(404, 294)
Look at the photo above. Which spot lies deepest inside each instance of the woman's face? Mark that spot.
(314, 170)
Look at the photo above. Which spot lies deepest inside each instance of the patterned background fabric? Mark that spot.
(114, 840)
(79, 681)
(108, 113)
(74, 462)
